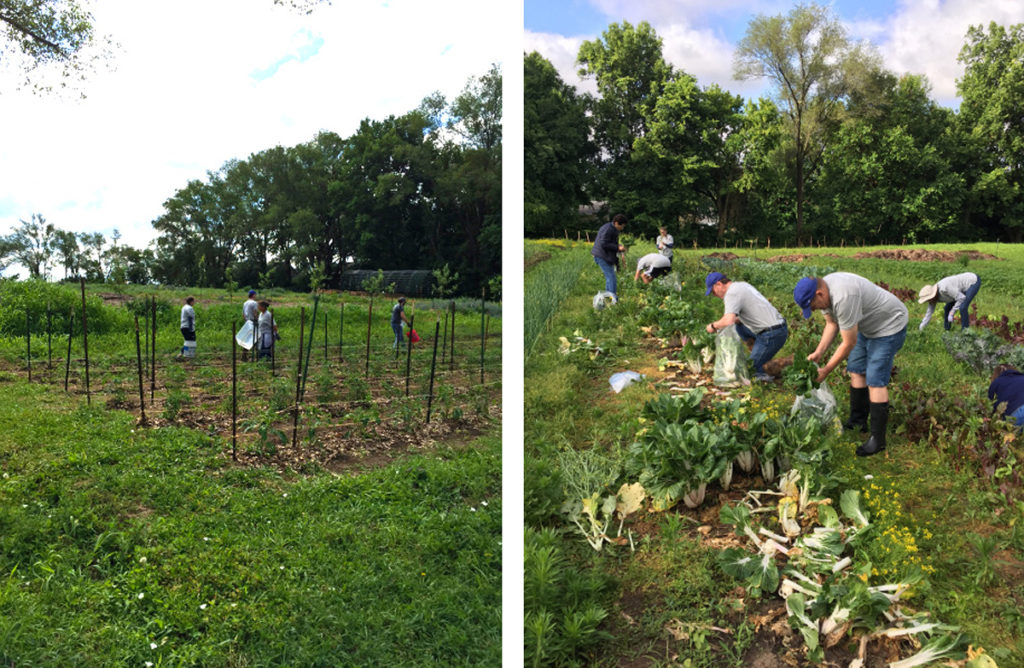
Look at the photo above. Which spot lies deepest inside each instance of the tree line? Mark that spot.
(843, 151)
(416, 191)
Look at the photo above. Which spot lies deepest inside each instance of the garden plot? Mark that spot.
(659, 590)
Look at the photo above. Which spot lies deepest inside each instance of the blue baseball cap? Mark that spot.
(803, 293)
(710, 281)
(252, 292)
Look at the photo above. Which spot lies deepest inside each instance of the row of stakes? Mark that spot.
(302, 370)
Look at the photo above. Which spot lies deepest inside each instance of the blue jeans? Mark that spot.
(965, 319)
(397, 328)
(1018, 416)
(610, 280)
(766, 343)
(874, 357)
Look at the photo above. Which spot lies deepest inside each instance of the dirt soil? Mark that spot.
(798, 257)
(921, 255)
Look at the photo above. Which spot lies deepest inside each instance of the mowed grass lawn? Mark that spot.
(970, 533)
(128, 546)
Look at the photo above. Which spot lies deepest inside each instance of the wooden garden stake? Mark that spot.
(138, 359)
(369, 319)
(298, 378)
(234, 393)
(433, 365)
(341, 334)
(444, 344)
(483, 317)
(28, 343)
(309, 347)
(67, 366)
(152, 359)
(85, 343)
(408, 354)
(483, 346)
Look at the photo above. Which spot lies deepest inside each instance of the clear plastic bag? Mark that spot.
(730, 359)
(819, 403)
(604, 299)
(244, 337)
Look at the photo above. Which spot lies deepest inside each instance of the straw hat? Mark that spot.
(927, 293)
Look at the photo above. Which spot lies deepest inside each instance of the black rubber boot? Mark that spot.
(879, 422)
(859, 402)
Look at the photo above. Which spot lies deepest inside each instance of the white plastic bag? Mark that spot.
(604, 299)
(244, 337)
(619, 381)
(730, 359)
(819, 403)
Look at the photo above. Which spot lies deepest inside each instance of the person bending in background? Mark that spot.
(1007, 387)
(956, 292)
(757, 321)
(606, 251)
(651, 266)
(873, 326)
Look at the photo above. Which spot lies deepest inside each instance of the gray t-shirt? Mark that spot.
(952, 288)
(250, 310)
(265, 327)
(652, 261)
(856, 301)
(188, 317)
(751, 307)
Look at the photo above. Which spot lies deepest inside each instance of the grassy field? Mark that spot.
(669, 602)
(130, 545)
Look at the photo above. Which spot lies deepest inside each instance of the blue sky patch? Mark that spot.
(303, 53)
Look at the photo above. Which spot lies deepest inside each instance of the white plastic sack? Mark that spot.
(819, 403)
(730, 359)
(670, 281)
(604, 299)
(244, 337)
(189, 349)
(619, 381)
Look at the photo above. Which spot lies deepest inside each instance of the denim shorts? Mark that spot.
(873, 357)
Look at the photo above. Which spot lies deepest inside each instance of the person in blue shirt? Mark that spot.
(606, 249)
(1007, 387)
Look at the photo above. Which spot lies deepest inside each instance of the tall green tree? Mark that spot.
(627, 65)
(992, 112)
(30, 245)
(814, 66)
(556, 149)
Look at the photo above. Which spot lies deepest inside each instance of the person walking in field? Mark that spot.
(266, 329)
(757, 322)
(956, 292)
(250, 313)
(1007, 387)
(397, 318)
(665, 242)
(188, 327)
(872, 323)
(606, 249)
(651, 266)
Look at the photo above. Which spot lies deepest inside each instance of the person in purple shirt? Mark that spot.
(1008, 387)
(606, 249)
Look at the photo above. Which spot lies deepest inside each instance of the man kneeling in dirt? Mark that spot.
(757, 321)
(651, 266)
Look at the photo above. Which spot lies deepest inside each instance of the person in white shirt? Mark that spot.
(956, 292)
(250, 313)
(651, 266)
(266, 330)
(188, 323)
(665, 242)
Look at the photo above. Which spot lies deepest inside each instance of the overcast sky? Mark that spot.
(699, 37)
(197, 82)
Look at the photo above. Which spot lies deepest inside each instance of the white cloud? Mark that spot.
(925, 37)
(184, 96)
